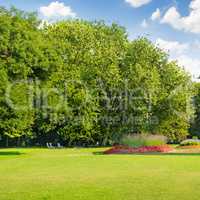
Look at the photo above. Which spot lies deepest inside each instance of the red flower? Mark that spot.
(146, 149)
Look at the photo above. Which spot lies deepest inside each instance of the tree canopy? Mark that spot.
(84, 83)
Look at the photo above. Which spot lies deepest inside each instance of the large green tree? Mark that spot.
(84, 83)
(195, 122)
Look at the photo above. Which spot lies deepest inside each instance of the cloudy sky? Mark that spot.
(174, 25)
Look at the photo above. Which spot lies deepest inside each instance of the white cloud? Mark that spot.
(156, 15)
(196, 44)
(144, 24)
(190, 64)
(173, 18)
(56, 9)
(173, 47)
(190, 23)
(138, 3)
(181, 52)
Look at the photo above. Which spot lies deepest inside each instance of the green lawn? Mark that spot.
(74, 174)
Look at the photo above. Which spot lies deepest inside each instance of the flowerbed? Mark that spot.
(145, 149)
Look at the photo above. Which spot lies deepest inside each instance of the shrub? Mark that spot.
(190, 142)
(143, 140)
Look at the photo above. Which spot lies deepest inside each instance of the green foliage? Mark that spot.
(195, 122)
(143, 140)
(84, 83)
(190, 142)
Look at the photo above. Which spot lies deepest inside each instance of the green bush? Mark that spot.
(143, 140)
(190, 142)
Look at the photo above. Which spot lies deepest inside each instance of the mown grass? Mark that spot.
(78, 174)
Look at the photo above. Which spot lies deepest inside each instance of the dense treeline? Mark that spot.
(85, 83)
(195, 123)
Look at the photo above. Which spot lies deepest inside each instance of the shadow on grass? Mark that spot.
(10, 153)
(150, 154)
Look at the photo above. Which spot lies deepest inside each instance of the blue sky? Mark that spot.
(174, 25)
